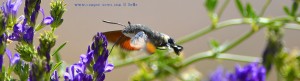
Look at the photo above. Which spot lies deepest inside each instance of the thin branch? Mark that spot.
(212, 54)
(208, 29)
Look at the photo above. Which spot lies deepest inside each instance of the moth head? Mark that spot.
(177, 48)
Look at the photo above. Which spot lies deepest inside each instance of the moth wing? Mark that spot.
(125, 42)
(113, 36)
(139, 40)
(118, 38)
(150, 48)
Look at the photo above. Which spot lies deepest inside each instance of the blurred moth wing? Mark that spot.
(131, 44)
(139, 40)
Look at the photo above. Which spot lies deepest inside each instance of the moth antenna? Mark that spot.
(110, 22)
(129, 23)
(115, 43)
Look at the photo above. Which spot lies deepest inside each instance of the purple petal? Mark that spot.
(1, 62)
(8, 53)
(109, 68)
(48, 20)
(54, 76)
(43, 13)
(68, 74)
(217, 75)
(15, 59)
(83, 58)
(9, 5)
(16, 7)
(33, 17)
(28, 36)
(100, 77)
(22, 17)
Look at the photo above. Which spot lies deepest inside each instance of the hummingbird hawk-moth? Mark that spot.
(138, 36)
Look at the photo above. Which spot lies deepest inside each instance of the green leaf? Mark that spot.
(294, 9)
(214, 44)
(3, 73)
(240, 7)
(286, 10)
(59, 48)
(56, 66)
(211, 5)
(250, 12)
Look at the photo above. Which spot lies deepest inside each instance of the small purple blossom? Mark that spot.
(21, 31)
(11, 8)
(54, 76)
(250, 72)
(12, 60)
(76, 72)
(46, 20)
(28, 36)
(218, 75)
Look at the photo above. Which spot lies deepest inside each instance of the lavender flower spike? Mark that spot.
(97, 52)
(250, 72)
(101, 66)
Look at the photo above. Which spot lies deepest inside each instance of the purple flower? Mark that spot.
(97, 52)
(28, 36)
(12, 60)
(100, 43)
(46, 20)
(76, 72)
(250, 72)
(102, 66)
(22, 32)
(1, 62)
(54, 76)
(11, 8)
(218, 75)
(31, 10)
(86, 59)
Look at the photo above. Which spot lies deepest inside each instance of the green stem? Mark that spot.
(235, 57)
(197, 57)
(211, 54)
(223, 8)
(262, 12)
(292, 26)
(237, 42)
(208, 29)
(224, 56)
(227, 23)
